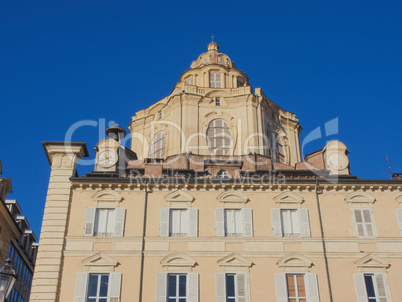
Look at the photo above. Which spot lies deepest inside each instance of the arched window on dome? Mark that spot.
(219, 137)
(215, 80)
(158, 146)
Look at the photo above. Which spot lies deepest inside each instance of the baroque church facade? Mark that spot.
(211, 201)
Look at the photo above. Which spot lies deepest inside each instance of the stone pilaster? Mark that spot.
(63, 160)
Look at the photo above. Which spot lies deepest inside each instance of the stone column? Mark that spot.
(63, 160)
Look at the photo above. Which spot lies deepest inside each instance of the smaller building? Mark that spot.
(17, 242)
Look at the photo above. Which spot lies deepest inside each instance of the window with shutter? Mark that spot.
(290, 223)
(177, 287)
(231, 287)
(98, 287)
(158, 146)
(374, 285)
(233, 223)
(215, 80)
(178, 223)
(219, 137)
(104, 222)
(364, 222)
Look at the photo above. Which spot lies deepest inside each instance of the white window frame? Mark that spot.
(246, 223)
(165, 223)
(277, 224)
(158, 146)
(241, 294)
(381, 294)
(310, 283)
(105, 229)
(99, 277)
(297, 297)
(162, 287)
(217, 132)
(177, 297)
(91, 220)
(215, 79)
(183, 212)
(235, 224)
(363, 223)
(293, 224)
(113, 291)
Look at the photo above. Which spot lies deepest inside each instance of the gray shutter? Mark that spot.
(281, 288)
(81, 287)
(359, 222)
(89, 221)
(220, 287)
(368, 222)
(241, 287)
(248, 222)
(164, 223)
(312, 288)
(114, 287)
(192, 283)
(120, 215)
(192, 222)
(381, 287)
(360, 288)
(399, 215)
(276, 222)
(304, 223)
(220, 222)
(161, 287)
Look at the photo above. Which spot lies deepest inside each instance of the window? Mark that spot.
(104, 222)
(290, 222)
(159, 115)
(399, 216)
(177, 287)
(217, 102)
(278, 149)
(189, 81)
(178, 222)
(371, 287)
(223, 174)
(231, 287)
(158, 146)
(364, 223)
(219, 137)
(297, 287)
(215, 80)
(98, 287)
(240, 82)
(234, 222)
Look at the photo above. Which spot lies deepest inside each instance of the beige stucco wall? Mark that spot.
(264, 250)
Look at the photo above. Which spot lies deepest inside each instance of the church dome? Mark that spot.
(213, 56)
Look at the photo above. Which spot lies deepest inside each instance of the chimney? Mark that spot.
(397, 176)
(153, 167)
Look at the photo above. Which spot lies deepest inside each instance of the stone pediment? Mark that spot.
(179, 196)
(178, 260)
(100, 261)
(295, 262)
(372, 261)
(399, 199)
(235, 260)
(288, 198)
(232, 196)
(360, 197)
(107, 198)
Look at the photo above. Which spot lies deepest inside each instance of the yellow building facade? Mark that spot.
(212, 202)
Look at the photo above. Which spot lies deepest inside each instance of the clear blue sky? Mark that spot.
(66, 61)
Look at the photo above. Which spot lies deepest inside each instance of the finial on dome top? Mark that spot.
(213, 46)
(212, 37)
